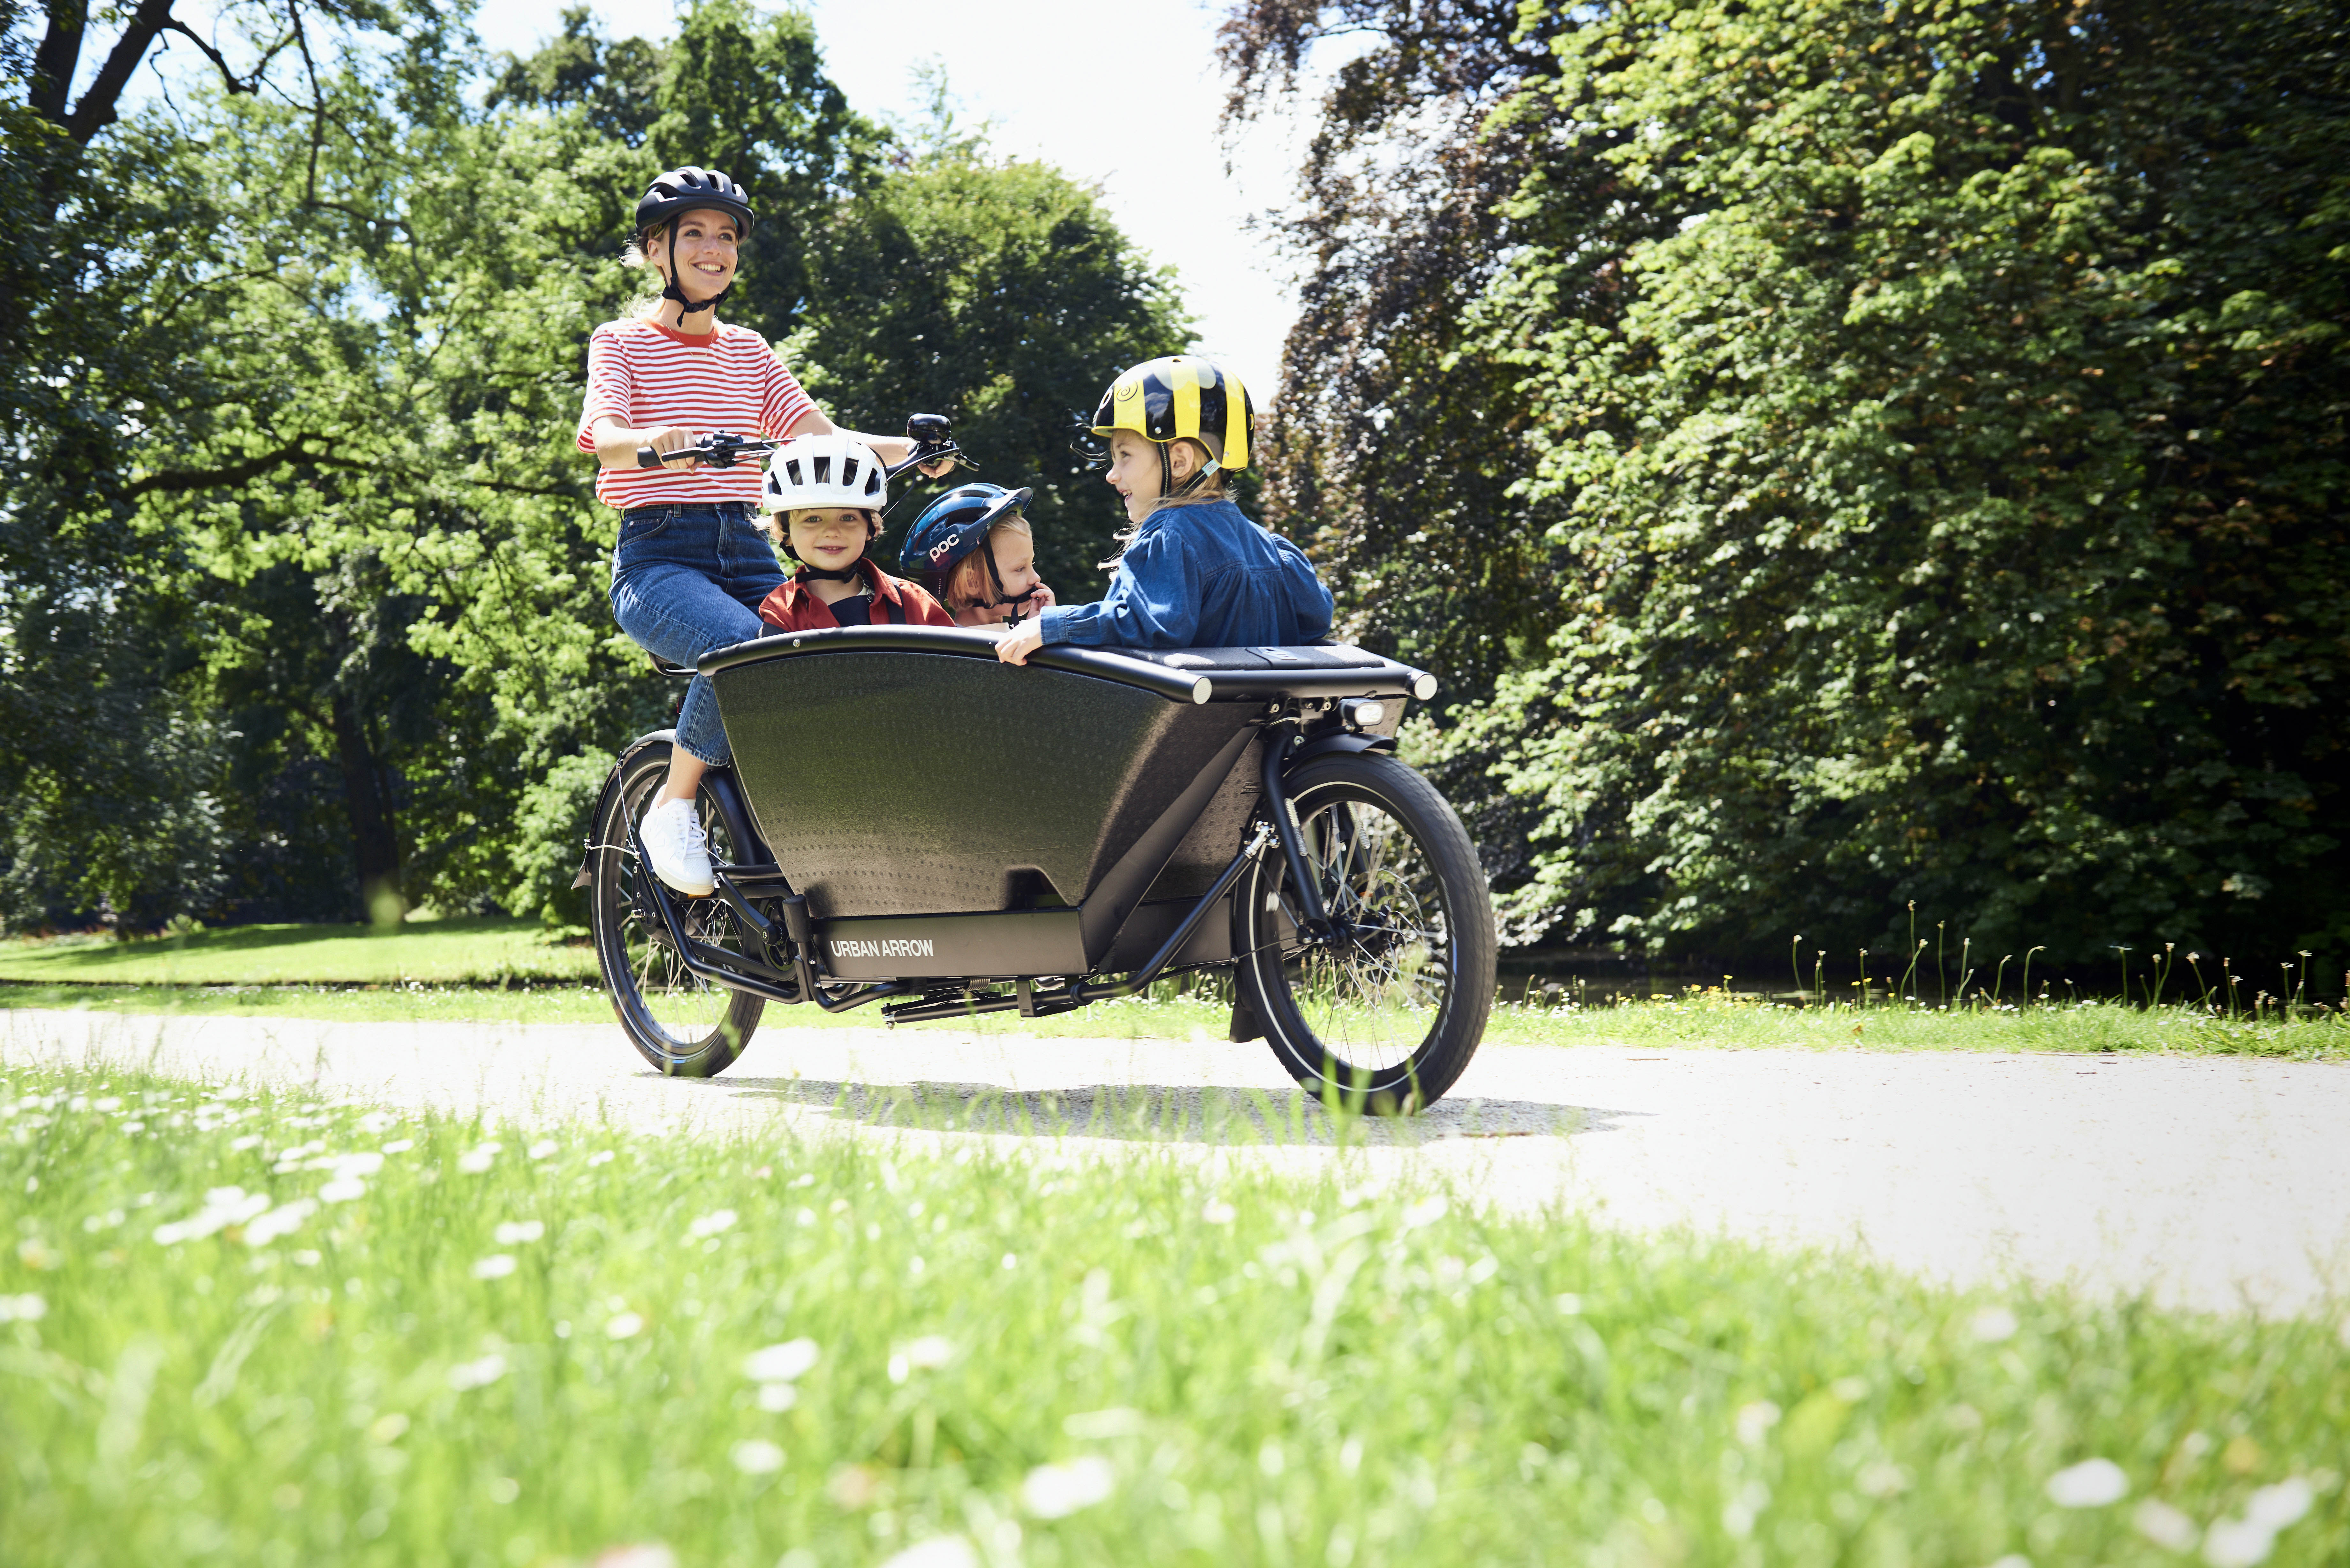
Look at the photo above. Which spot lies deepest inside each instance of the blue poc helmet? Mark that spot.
(955, 525)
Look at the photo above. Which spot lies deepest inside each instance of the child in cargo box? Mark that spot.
(1194, 572)
(828, 492)
(973, 551)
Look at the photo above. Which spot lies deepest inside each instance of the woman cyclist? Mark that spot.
(693, 562)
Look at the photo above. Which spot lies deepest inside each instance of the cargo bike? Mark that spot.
(910, 823)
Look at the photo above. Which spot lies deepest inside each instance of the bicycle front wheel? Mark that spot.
(1384, 1013)
(681, 1022)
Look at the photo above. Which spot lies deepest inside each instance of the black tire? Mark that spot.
(681, 1022)
(1384, 1018)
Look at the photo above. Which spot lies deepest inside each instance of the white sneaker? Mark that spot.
(674, 841)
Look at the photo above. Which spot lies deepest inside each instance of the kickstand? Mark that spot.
(1246, 1024)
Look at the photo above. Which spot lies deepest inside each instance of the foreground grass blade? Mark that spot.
(261, 1330)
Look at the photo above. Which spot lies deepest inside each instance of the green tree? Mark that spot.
(1948, 492)
(305, 586)
(1403, 445)
(998, 292)
(925, 276)
(1947, 459)
(109, 768)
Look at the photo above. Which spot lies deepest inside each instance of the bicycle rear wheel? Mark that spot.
(681, 1024)
(1384, 1014)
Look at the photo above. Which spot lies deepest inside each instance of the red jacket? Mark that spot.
(895, 602)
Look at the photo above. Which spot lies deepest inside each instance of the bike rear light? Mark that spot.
(1362, 715)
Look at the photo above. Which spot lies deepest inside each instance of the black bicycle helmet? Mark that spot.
(681, 190)
(956, 527)
(669, 198)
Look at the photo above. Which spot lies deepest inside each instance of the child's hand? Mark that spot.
(1028, 605)
(938, 469)
(1016, 645)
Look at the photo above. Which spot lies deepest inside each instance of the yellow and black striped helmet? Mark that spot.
(1178, 397)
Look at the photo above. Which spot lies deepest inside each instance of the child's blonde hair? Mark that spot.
(968, 584)
(1206, 492)
(1211, 447)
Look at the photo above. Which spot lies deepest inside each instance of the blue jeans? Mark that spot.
(689, 578)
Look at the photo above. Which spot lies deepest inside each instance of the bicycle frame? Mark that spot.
(1146, 714)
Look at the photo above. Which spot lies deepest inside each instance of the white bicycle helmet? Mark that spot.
(810, 471)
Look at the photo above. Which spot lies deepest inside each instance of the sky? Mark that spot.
(1127, 96)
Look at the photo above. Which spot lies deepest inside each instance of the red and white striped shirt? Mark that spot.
(647, 377)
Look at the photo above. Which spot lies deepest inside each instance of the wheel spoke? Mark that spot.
(673, 1005)
(1375, 993)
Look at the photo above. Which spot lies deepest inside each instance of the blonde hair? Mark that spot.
(967, 584)
(1212, 447)
(650, 281)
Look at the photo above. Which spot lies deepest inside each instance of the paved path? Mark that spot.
(2212, 1182)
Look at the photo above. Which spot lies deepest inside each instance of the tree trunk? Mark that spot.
(54, 61)
(374, 835)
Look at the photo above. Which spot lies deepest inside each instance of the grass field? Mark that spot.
(434, 953)
(242, 1330)
(1713, 1021)
(508, 971)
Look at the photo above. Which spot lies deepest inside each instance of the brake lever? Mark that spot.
(930, 455)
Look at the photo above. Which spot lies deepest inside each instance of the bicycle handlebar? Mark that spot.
(932, 437)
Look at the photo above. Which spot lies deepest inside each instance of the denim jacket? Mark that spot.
(1201, 576)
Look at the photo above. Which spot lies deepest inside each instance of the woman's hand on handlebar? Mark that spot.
(617, 444)
(1015, 645)
(672, 439)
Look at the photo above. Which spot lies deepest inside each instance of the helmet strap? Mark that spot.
(1168, 488)
(675, 290)
(987, 550)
